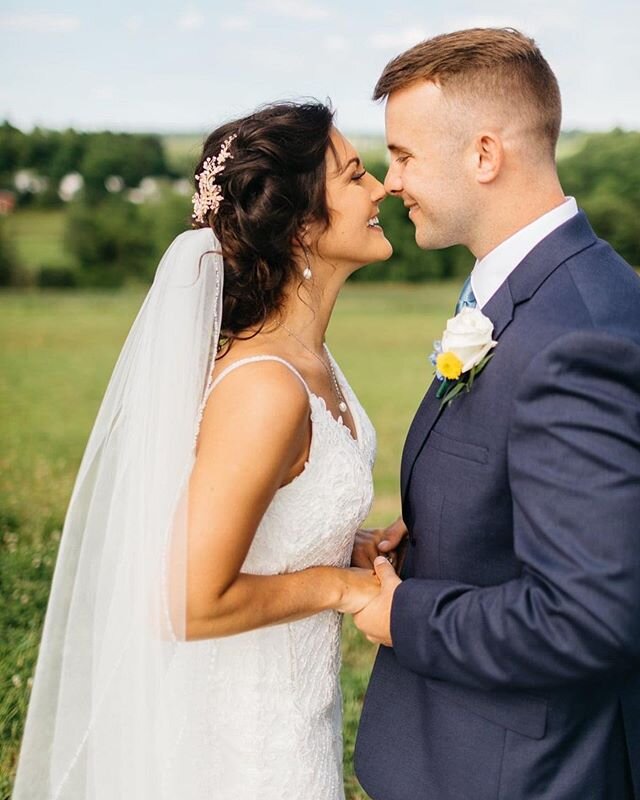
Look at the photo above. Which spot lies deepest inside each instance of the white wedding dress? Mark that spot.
(123, 707)
(274, 731)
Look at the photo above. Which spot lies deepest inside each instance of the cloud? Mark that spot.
(133, 24)
(294, 9)
(389, 40)
(104, 92)
(191, 20)
(505, 20)
(335, 43)
(279, 60)
(235, 23)
(40, 22)
(544, 19)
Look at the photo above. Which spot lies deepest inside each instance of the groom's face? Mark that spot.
(427, 168)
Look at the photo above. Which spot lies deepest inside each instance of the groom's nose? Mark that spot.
(392, 181)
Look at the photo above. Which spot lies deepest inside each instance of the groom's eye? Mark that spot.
(401, 159)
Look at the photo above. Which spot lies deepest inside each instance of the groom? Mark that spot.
(510, 659)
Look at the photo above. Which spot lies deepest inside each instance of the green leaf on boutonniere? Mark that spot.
(453, 392)
(482, 364)
(450, 390)
(442, 389)
(475, 371)
(469, 381)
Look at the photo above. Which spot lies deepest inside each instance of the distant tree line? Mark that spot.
(10, 272)
(112, 240)
(51, 155)
(116, 241)
(604, 176)
(109, 237)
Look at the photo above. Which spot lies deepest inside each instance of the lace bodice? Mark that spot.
(312, 519)
(275, 720)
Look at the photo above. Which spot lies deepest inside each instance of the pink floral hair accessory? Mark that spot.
(209, 194)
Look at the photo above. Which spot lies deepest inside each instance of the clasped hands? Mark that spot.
(377, 549)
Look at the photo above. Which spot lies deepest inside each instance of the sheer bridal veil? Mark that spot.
(116, 682)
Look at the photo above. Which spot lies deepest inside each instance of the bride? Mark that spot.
(191, 643)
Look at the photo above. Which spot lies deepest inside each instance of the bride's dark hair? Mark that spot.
(274, 185)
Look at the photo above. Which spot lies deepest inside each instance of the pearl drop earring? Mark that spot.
(306, 273)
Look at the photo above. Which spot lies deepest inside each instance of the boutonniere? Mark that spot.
(463, 352)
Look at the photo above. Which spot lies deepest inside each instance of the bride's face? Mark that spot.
(354, 237)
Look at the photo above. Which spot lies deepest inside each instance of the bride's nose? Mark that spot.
(378, 192)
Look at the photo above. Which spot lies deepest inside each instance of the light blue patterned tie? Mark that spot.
(467, 298)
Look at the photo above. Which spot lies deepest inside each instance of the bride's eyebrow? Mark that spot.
(355, 160)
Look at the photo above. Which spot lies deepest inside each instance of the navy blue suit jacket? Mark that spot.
(515, 667)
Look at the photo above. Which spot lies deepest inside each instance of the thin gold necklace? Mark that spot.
(328, 368)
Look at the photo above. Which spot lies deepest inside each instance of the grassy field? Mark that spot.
(57, 353)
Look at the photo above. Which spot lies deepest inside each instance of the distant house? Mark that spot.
(70, 185)
(7, 202)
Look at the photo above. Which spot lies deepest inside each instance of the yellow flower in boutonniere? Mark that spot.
(463, 352)
(449, 365)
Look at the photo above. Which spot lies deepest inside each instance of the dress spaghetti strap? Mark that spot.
(253, 360)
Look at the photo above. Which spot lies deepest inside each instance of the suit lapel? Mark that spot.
(567, 240)
(500, 311)
(425, 418)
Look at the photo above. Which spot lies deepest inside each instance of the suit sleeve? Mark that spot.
(574, 469)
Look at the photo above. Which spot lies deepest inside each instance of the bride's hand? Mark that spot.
(372, 542)
(360, 587)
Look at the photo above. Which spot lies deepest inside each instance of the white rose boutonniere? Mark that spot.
(462, 353)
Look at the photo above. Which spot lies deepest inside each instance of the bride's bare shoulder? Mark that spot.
(252, 389)
(260, 367)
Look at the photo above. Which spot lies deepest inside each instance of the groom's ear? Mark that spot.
(488, 156)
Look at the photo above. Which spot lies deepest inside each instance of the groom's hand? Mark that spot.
(369, 543)
(375, 619)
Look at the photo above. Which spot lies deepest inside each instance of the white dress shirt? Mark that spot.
(490, 272)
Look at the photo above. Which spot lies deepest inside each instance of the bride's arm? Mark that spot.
(255, 434)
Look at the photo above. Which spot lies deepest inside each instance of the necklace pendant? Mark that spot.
(342, 406)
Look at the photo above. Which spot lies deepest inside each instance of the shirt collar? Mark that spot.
(490, 272)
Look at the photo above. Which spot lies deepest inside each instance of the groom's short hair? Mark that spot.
(488, 64)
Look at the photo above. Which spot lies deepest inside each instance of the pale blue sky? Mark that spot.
(166, 66)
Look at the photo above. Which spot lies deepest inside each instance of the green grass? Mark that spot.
(57, 353)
